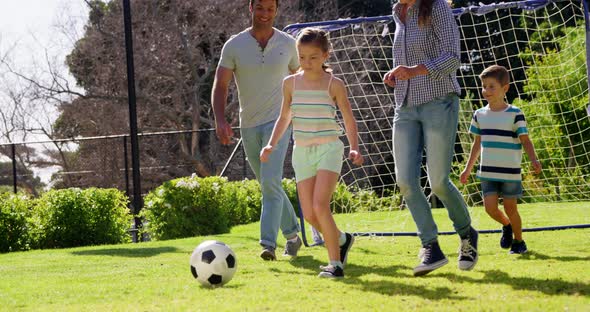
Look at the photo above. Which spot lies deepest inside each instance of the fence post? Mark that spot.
(586, 6)
(14, 178)
(244, 164)
(137, 200)
(126, 164)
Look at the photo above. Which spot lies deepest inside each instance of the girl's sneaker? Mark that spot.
(330, 271)
(344, 249)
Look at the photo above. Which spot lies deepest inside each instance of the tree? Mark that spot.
(26, 180)
(335, 9)
(17, 123)
(177, 44)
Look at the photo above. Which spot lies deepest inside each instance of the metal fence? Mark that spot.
(105, 161)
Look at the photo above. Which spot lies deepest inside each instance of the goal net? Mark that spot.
(542, 43)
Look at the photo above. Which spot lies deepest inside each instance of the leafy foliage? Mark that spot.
(556, 113)
(194, 206)
(74, 217)
(14, 225)
(187, 207)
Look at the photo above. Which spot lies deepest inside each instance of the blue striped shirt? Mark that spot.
(435, 45)
(501, 151)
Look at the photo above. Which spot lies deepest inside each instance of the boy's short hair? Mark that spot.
(500, 73)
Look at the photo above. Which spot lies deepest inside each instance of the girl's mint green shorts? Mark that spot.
(307, 160)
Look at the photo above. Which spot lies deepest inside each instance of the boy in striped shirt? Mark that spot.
(500, 135)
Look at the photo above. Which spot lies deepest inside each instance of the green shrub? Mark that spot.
(244, 201)
(290, 187)
(14, 225)
(342, 199)
(6, 189)
(74, 217)
(188, 207)
(192, 206)
(349, 200)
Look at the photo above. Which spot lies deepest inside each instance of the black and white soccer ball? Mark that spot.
(213, 263)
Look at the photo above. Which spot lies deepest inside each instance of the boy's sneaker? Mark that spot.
(331, 271)
(268, 254)
(468, 251)
(431, 258)
(506, 240)
(346, 247)
(518, 247)
(291, 248)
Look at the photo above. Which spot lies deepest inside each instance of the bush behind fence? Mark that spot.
(63, 218)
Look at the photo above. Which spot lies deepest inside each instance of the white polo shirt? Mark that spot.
(259, 73)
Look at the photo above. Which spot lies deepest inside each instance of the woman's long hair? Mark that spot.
(425, 12)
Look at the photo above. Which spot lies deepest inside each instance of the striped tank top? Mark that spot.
(313, 114)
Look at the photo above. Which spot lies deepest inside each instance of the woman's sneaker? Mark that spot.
(330, 271)
(468, 251)
(506, 240)
(431, 258)
(518, 247)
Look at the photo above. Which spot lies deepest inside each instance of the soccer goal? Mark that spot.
(544, 44)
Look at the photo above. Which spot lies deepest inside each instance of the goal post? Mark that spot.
(543, 43)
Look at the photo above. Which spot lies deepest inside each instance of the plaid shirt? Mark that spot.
(435, 45)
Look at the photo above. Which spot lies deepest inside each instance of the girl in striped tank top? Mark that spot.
(310, 100)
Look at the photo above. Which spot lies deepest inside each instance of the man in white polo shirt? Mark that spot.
(259, 58)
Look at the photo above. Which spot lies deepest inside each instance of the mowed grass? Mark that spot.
(155, 276)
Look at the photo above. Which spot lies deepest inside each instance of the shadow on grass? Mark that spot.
(241, 237)
(388, 288)
(533, 255)
(141, 252)
(546, 286)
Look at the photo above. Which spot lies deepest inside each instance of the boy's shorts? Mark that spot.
(502, 189)
(307, 160)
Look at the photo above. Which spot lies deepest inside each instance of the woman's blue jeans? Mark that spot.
(432, 127)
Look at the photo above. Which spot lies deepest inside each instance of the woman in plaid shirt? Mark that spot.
(426, 92)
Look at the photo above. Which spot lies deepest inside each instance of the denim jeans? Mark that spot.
(432, 127)
(277, 211)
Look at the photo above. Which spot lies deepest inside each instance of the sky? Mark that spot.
(32, 29)
(28, 27)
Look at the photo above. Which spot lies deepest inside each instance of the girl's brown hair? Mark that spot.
(318, 38)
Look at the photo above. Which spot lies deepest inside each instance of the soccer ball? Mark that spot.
(213, 263)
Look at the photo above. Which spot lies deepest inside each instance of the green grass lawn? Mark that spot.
(153, 276)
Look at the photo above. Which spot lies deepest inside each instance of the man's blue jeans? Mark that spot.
(277, 211)
(432, 127)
